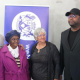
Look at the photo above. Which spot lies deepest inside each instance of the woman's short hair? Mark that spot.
(1, 41)
(38, 31)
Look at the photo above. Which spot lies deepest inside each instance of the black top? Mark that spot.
(40, 64)
(71, 37)
(53, 61)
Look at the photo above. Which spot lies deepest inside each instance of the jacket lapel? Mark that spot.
(66, 39)
(8, 54)
(76, 40)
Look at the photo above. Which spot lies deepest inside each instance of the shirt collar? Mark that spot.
(14, 52)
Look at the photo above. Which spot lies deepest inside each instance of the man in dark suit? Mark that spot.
(70, 47)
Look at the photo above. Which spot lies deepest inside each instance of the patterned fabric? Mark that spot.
(18, 61)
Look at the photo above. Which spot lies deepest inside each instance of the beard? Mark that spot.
(74, 24)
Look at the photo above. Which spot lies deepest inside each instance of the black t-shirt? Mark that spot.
(71, 37)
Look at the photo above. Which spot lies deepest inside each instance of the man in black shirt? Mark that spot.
(70, 47)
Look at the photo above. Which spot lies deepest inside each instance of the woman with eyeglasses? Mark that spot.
(44, 61)
(13, 61)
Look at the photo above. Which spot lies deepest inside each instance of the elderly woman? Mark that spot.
(44, 61)
(1, 41)
(13, 61)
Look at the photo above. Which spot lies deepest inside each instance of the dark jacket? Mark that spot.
(53, 61)
(70, 58)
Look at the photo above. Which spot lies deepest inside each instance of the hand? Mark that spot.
(22, 47)
(60, 77)
(56, 79)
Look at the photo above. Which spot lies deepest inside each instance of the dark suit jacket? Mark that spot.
(70, 58)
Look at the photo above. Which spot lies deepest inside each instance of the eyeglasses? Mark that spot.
(42, 35)
(73, 16)
(15, 39)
